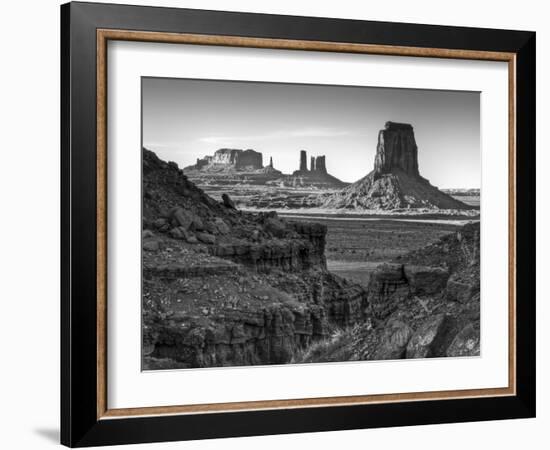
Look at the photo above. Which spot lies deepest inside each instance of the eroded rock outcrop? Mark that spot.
(395, 183)
(226, 287)
(315, 176)
(410, 311)
(230, 166)
(303, 161)
(392, 283)
(431, 338)
(232, 158)
(396, 150)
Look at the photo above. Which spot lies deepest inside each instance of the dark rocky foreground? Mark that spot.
(222, 287)
(424, 304)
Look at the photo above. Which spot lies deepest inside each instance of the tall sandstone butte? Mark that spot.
(396, 149)
(395, 182)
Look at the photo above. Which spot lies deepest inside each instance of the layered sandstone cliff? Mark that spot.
(225, 287)
(230, 159)
(425, 304)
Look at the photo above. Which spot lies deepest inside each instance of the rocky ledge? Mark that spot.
(225, 287)
(415, 310)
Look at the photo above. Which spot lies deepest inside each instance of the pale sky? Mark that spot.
(186, 119)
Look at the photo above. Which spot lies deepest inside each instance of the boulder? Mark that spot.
(177, 233)
(161, 224)
(227, 202)
(276, 227)
(198, 223)
(430, 338)
(466, 342)
(393, 341)
(221, 226)
(460, 290)
(181, 217)
(210, 227)
(151, 245)
(190, 238)
(206, 238)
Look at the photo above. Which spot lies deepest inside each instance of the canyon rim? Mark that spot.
(294, 224)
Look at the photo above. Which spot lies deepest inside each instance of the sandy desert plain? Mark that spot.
(357, 241)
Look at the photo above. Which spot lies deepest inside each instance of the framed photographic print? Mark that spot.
(276, 224)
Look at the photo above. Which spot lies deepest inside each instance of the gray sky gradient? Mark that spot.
(185, 119)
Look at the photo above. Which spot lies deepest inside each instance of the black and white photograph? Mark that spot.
(293, 223)
(275, 225)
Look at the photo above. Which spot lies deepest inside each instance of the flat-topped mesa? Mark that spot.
(249, 159)
(238, 158)
(396, 150)
(235, 158)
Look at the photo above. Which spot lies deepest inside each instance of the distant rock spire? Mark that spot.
(271, 162)
(320, 165)
(303, 161)
(312, 164)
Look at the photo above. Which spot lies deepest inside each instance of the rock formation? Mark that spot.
(317, 175)
(230, 158)
(320, 164)
(232, 166)
(226, 287)
(249, 160)
(413, 308)
(303, 161)
(396, 150)
(316, 164)
(395, 182)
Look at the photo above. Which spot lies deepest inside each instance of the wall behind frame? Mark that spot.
(30, 224)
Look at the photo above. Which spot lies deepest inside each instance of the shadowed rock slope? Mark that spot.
(224, 287)
(395, 182)
(424, 304)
